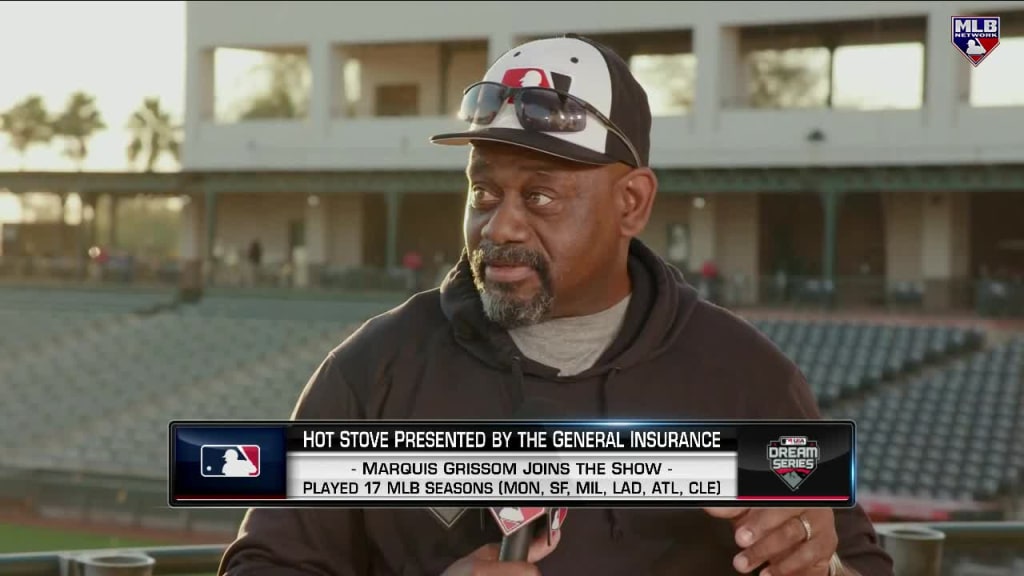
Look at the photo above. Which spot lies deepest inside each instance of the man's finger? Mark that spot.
(760, 522)
(727, 513)
(540, 548)
(774, 544)
(488, 552)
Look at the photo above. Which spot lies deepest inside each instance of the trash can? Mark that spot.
(116, 564)
(915, 551)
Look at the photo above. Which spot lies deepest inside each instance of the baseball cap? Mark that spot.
(618, 116)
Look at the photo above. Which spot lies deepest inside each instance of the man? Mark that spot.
(554, 303)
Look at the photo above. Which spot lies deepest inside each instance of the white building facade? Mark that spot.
(416, 57)
(717, 133)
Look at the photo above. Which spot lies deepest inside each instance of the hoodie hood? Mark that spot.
(661, 304)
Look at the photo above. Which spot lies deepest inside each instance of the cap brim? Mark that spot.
(538, 141)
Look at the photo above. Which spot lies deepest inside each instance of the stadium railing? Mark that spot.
(960, 537)
(996, 297)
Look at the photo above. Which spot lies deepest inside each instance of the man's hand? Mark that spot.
(484, 560)
(780, 537)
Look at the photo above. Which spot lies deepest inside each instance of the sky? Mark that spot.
(123, 52)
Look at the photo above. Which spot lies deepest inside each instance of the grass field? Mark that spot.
(16, 539)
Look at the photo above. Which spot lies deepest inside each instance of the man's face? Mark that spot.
(542, 232)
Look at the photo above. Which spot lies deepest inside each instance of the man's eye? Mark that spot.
(480, 194)
(538, 199)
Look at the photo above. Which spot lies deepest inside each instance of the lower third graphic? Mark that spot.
(221, 460)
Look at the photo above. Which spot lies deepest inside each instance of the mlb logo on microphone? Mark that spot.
(230, 461)
(975, 36)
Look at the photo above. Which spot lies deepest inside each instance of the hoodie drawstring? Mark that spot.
(612, 514)
(514, 393)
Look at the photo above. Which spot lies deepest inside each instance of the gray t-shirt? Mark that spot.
(571, 344)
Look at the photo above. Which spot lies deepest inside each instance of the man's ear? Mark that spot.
(636, 191)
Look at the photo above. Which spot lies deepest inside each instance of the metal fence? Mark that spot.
(993, 297)
(918, 549)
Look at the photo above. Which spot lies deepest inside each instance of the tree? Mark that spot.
(795, 78)
(27, 123)
(76, 125)
(669, 79)
(287, 94)
(153, 135)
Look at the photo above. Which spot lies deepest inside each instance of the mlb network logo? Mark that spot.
(230, 461)
(975, 36)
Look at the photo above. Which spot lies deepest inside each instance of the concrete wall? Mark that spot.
(346, 229)
(431, 223)
(667, 210)
(418, 64)
(241, 218)
(904, 236)
(944, 130)
(736, 246)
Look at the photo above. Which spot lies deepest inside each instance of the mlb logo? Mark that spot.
(511, 519)
(975, 36)
(536, 78)
(794, 440)
(229, 461)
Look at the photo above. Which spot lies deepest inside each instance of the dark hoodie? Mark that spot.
(438, 356)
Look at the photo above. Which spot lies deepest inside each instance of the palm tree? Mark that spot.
(27, 123)
(287, 93)
(152, 133)
(76, 124)
(788, 79)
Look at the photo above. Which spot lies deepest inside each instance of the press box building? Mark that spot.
(928, 190)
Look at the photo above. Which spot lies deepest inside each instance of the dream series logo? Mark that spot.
(793, 459)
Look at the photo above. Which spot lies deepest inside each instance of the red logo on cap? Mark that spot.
(525, 77)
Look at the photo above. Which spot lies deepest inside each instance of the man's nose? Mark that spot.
(507, 223)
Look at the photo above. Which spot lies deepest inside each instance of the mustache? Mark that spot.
(491, 254)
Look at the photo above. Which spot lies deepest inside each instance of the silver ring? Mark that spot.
(835, 566)
(807, 527)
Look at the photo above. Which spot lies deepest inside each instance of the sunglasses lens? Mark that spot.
(549, 111)
(481, 103)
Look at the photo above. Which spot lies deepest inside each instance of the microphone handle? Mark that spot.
(516, 546)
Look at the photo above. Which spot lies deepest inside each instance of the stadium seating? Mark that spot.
(298, 309)
(923, 439)
(94, 390)
(32, 318)
(118, 387)
(841, 359)
(96, 301)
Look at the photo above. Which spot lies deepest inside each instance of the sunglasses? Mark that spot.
(538, 109)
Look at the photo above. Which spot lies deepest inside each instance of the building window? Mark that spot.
(261, 84)
(397, 100)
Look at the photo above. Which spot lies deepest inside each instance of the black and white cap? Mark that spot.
(585, 70)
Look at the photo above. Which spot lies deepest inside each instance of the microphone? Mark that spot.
(515, 545)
